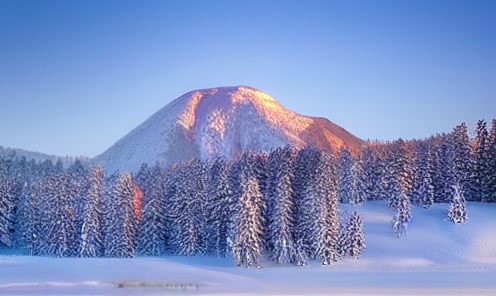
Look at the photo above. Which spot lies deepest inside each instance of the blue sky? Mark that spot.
(75, 76)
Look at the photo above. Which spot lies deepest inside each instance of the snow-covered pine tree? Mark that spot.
(188, 209)
(120, 220)
(403, 216)
(372, 172)
(304, 169)
(423, 191)
(153, 234)
(6, 207)
(461, 157)
(78, 188)
(28, 219)
(398, 173)
(345, 176)
(60, 220)
(359, 194)
(281, 206)
(478, 179)
(317, 222)
(327, 186)
(219, 206)
(352, 237)
(457, 211)
(442, 168)
(247, 221)
(91, 239)
(491, 163)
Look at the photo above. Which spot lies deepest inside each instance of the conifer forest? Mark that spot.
(283, 204)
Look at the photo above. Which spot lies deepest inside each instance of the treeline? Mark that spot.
(283, 205)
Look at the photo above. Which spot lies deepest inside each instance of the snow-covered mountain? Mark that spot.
(220, 122)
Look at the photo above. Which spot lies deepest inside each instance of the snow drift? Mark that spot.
(220, 122)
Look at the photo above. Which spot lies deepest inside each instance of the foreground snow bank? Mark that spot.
(436, 258)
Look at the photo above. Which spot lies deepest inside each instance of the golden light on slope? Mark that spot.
(187, 118)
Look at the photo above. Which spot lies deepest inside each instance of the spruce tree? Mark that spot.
(478, 178)
(281, 206)
(403, 216)
(219, 207)
(457, 211)
(423, 191)
(345, 176)
(91, 244)
(491, 164)
(352, 237)
(120, 232)
(317, 223)
(247, 221)
(6, 207)
(61, 224)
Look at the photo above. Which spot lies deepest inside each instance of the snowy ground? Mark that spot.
(437, 258)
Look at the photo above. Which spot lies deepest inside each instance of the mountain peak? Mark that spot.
(222, 122)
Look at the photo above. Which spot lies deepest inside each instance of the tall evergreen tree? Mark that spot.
(6, 208)
(317, 223)
(479, 186)
(188, 209)
(345, 176)
(247, 221)
(91, 238)
(281, 206)
(120, 232)
(219, 207)
(491, 163)
(423, 191)
(61, 239)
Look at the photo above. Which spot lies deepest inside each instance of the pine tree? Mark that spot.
(317, 223)
(188, 209)
(61, 238)
(399, 173)
(153, 232)
(457, 212)
(345, 176)
(423, 191)
(281, 206)
(6, 208)
(491, 164)
(91, 238)
(403, 215)
(352, 237)
(219, 195)
(479, 186)
(247, 221)
(359, 194)
(120, 224)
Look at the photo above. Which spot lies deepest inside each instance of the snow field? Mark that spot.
(436, 258)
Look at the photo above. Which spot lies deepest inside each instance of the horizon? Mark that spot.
(76, 76)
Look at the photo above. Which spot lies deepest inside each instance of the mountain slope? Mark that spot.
(220, 122)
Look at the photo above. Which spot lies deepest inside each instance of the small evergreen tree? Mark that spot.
(352, 237)
(403, 216)
(457, 211)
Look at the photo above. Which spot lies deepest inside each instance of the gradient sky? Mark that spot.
(75, 76)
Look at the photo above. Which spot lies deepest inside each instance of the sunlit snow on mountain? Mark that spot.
(220, 122)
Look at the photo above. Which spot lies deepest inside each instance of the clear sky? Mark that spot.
(76, 76)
